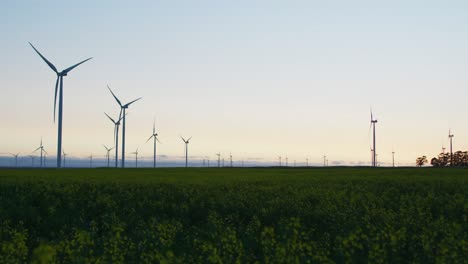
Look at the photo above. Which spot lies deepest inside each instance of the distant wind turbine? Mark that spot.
(393, 159)
(108, 154)
(16, 158)
(451, 149)
(307, 162)
(64, 157)
(186, 150)
(32, 160)
(374, 156)
(136, 157)
(230, 157)
(154, 136)
(42, 150)
(60, 100)
(219, 159)
(279, 157)
(116, 137)
(91, 160)
(123, 108)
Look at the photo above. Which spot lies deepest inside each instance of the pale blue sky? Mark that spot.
(255, 78)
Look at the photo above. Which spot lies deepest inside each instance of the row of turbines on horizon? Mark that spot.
(122, 118)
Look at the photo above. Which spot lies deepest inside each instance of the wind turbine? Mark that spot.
(451, 150)
(41, 147)
(186, 150)
(279, 157)
(230, 157)
(374, 156)
(91, 160)
(64, 157)
(16, 158)
(108, 154)
(219, 159)
(324, 160)
(393, 159)
(136, 157)
(307, 162)
(154, 136)
(286, 161)
(116, 137)
(32, 160)
(123, 108)
(60, 99)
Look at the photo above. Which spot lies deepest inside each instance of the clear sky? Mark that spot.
(255, 78)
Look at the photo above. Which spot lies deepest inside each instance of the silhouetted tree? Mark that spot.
(421, 161)
(460, 159)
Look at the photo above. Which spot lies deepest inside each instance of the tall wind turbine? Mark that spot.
(186, 150)
(60, 99)
(108, 154)
(123, 108)
(136, 157)
(374, 156)
(451, 149)
(16, 158)
(116, 137)
(154, 136)
(41, 147)
(230, 157)
(279, 157)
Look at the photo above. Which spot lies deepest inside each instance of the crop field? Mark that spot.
(234, 215)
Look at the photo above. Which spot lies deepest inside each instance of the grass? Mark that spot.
(225, 215)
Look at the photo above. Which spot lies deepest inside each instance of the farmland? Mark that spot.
(228, 215)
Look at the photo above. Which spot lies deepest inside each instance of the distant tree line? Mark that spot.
(460, 159)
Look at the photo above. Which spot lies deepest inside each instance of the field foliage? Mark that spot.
(234, 215)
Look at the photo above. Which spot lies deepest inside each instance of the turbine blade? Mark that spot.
(149, 139)
(189, 139)
(113, 121)
(76, 65)
(127, 105)
(183, 139)
(46, 61)
(158, 141)
(154, 126)
(117, 99)
(37, 149)
(55, 98)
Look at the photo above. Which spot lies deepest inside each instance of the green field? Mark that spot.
(244, 215)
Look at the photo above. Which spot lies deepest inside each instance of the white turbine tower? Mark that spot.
(154, 136)
(108, 154)
(123, 108)
(60, 100)
(116, 137)
(186, 150)
(374, 156)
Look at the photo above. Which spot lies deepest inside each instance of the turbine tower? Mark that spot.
(60, 99)
(136, 157)
(154, 136)
(123, 108)
(91, 160)
(279, 157)
(64, 157)
(116, 137)
(451, 149)
(186, 150)
(16, 158)
(374, 156)
(230, 157)
(108, 154)
(219, 159)
(41, 147)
